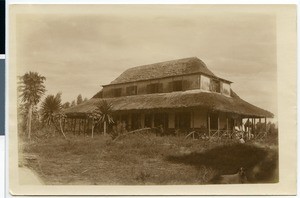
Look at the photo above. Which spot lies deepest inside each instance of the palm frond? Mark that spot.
(51, 108)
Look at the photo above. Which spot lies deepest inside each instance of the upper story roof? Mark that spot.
(185, 66)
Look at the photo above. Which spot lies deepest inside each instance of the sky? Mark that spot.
(79, 48)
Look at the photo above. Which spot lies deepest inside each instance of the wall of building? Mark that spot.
(222, 120)
(172, 120)
(189, 82)
(200, 118)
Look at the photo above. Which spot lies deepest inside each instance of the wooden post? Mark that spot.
(248, 131)
(72, 126)
(75, 123)
(142, 120)
(152, 120)
(266, 125)
(129, 121)
(218, 125)
(252, 128)
(208, 125)
(227, 133)
(84, 123)
(81, 126)
(192, 119)
(255, 129)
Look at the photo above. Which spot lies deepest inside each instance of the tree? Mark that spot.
(73, 103)
(66, 105)
(23, 114)
(31, 90)
(95, 118)
(85, 99)
(79, 99)
(105, 111)
(51, 110)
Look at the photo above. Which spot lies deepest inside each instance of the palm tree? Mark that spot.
(51, 110)
(105, 110)
(31, 90)
(95, 118)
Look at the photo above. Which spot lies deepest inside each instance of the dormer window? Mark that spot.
(205, 83)
(225, 89)
(117, 92)
(214, 85)
(132, 90)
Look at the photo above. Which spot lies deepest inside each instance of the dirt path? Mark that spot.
(28, 177)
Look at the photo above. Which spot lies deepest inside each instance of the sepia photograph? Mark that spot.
(146, 95)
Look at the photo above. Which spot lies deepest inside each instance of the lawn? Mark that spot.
(147, 159)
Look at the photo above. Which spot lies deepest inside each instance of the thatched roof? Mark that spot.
(175, 100)
(171, 68)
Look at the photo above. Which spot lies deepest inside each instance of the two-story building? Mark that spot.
(179, 94)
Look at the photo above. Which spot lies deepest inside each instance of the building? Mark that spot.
(182, 95)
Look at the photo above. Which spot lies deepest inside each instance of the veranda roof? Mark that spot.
(175, 100)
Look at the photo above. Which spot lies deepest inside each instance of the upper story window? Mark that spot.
(117, 92)
(132, 90)
(154, 88)
(214, 85)
(225, 89)
(177, 85)
(205, 83)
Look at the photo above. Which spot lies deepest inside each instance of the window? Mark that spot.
(214, 85)
(132, 90)
(205, 83)
(154, 88)
(117, 92)
(177, 85)
(226, 89)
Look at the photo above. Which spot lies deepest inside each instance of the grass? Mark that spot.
(144, 159)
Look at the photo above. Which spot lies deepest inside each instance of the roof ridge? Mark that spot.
(174, 60)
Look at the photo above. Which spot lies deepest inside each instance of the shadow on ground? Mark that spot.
(261, 164)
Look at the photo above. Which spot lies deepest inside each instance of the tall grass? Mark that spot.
(137, 159)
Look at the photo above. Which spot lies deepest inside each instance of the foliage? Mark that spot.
(51, 111)
(79, 99)
(49, 107)
(66, 105)
(73, 103)
(31, 88)
(95, 118)
(105, 110)
(23, 116)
